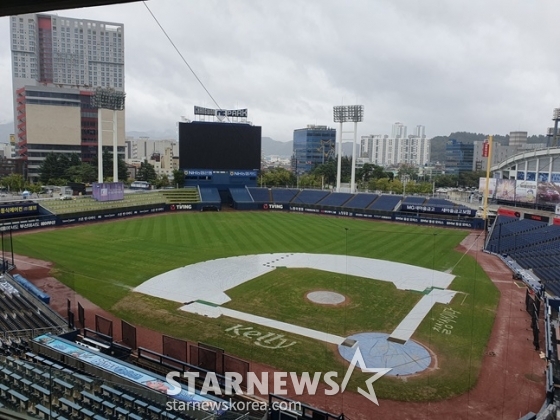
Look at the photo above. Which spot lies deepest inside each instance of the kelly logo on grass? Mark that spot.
(304, 385)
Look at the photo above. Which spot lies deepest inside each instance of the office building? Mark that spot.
(312, 146)
(459, 157)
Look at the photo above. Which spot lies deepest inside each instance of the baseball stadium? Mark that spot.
(104, 295)
(220, 299)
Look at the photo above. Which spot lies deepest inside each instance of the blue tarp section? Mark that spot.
(27, 285)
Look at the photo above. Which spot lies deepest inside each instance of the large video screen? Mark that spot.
(219, 146)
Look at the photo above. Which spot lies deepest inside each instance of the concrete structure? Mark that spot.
(163, 163)
(542, 165)
(143, 148)
(7, 150)
(57, 63)
(312, 146)
(499, 154)
(517, 139)
(383, 150)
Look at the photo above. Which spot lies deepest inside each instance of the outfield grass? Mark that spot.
(103, 262)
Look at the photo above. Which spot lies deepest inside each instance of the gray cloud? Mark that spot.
(459, 65)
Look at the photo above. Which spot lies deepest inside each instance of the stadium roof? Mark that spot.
(18, 7)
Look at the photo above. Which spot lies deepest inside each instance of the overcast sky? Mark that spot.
(456, 65)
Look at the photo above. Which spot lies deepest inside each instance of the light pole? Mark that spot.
(549, 135)
(555, 118)
(111, 99)
(342, 114)
(404, 180)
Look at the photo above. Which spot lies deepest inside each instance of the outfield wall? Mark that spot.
(50, 220)
(468, 223)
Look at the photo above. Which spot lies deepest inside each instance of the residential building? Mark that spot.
(383, 150)
(143, 148)
(163, 163)
(312, 146)
(57, 63)
(517, 139)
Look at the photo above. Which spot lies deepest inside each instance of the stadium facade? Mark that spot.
(57, 62)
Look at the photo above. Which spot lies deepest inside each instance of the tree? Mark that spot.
(162, 181)
(84, 172)
(122, 170)
(381, 184)
(147, 173)
(309, 181)
(406, 169)
(178, 178)
(53, 167)
(33, 188)
(446, 181)
(330, 168)
(13, 182)
(278, 177)
(327, 171)
(75, 160)
(470, 179)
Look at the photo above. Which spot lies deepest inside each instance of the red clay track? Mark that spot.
(511, 381)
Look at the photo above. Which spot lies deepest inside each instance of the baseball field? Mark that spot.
(104, 262)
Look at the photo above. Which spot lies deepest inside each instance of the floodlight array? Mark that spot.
(108, 98)
(348, 113)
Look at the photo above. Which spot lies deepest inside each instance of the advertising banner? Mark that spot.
(548, 193)
(418, 208)
(536, 217)
(108, 191)
(491, 186)
(526, 191)
(198, 172)
(18, 209)
(508, 212)
(485, 148)
(505, 189)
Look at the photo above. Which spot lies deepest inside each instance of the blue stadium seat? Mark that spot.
(310, 196)
(241, 195)
(210, 195)
(260, 195)
(414, 200)
(283, 195)
(335, 199)
(386, 202)
(360, 201)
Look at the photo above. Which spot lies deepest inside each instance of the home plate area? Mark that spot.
(202, 288)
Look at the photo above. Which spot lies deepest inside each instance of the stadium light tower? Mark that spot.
(555, 118)
(107, 98)
(342, 114)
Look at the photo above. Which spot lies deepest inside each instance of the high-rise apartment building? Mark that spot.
(57, 63)
(399, 148)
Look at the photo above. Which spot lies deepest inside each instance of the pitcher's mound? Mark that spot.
(326, 298)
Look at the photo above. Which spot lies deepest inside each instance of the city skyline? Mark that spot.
(472, 66)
